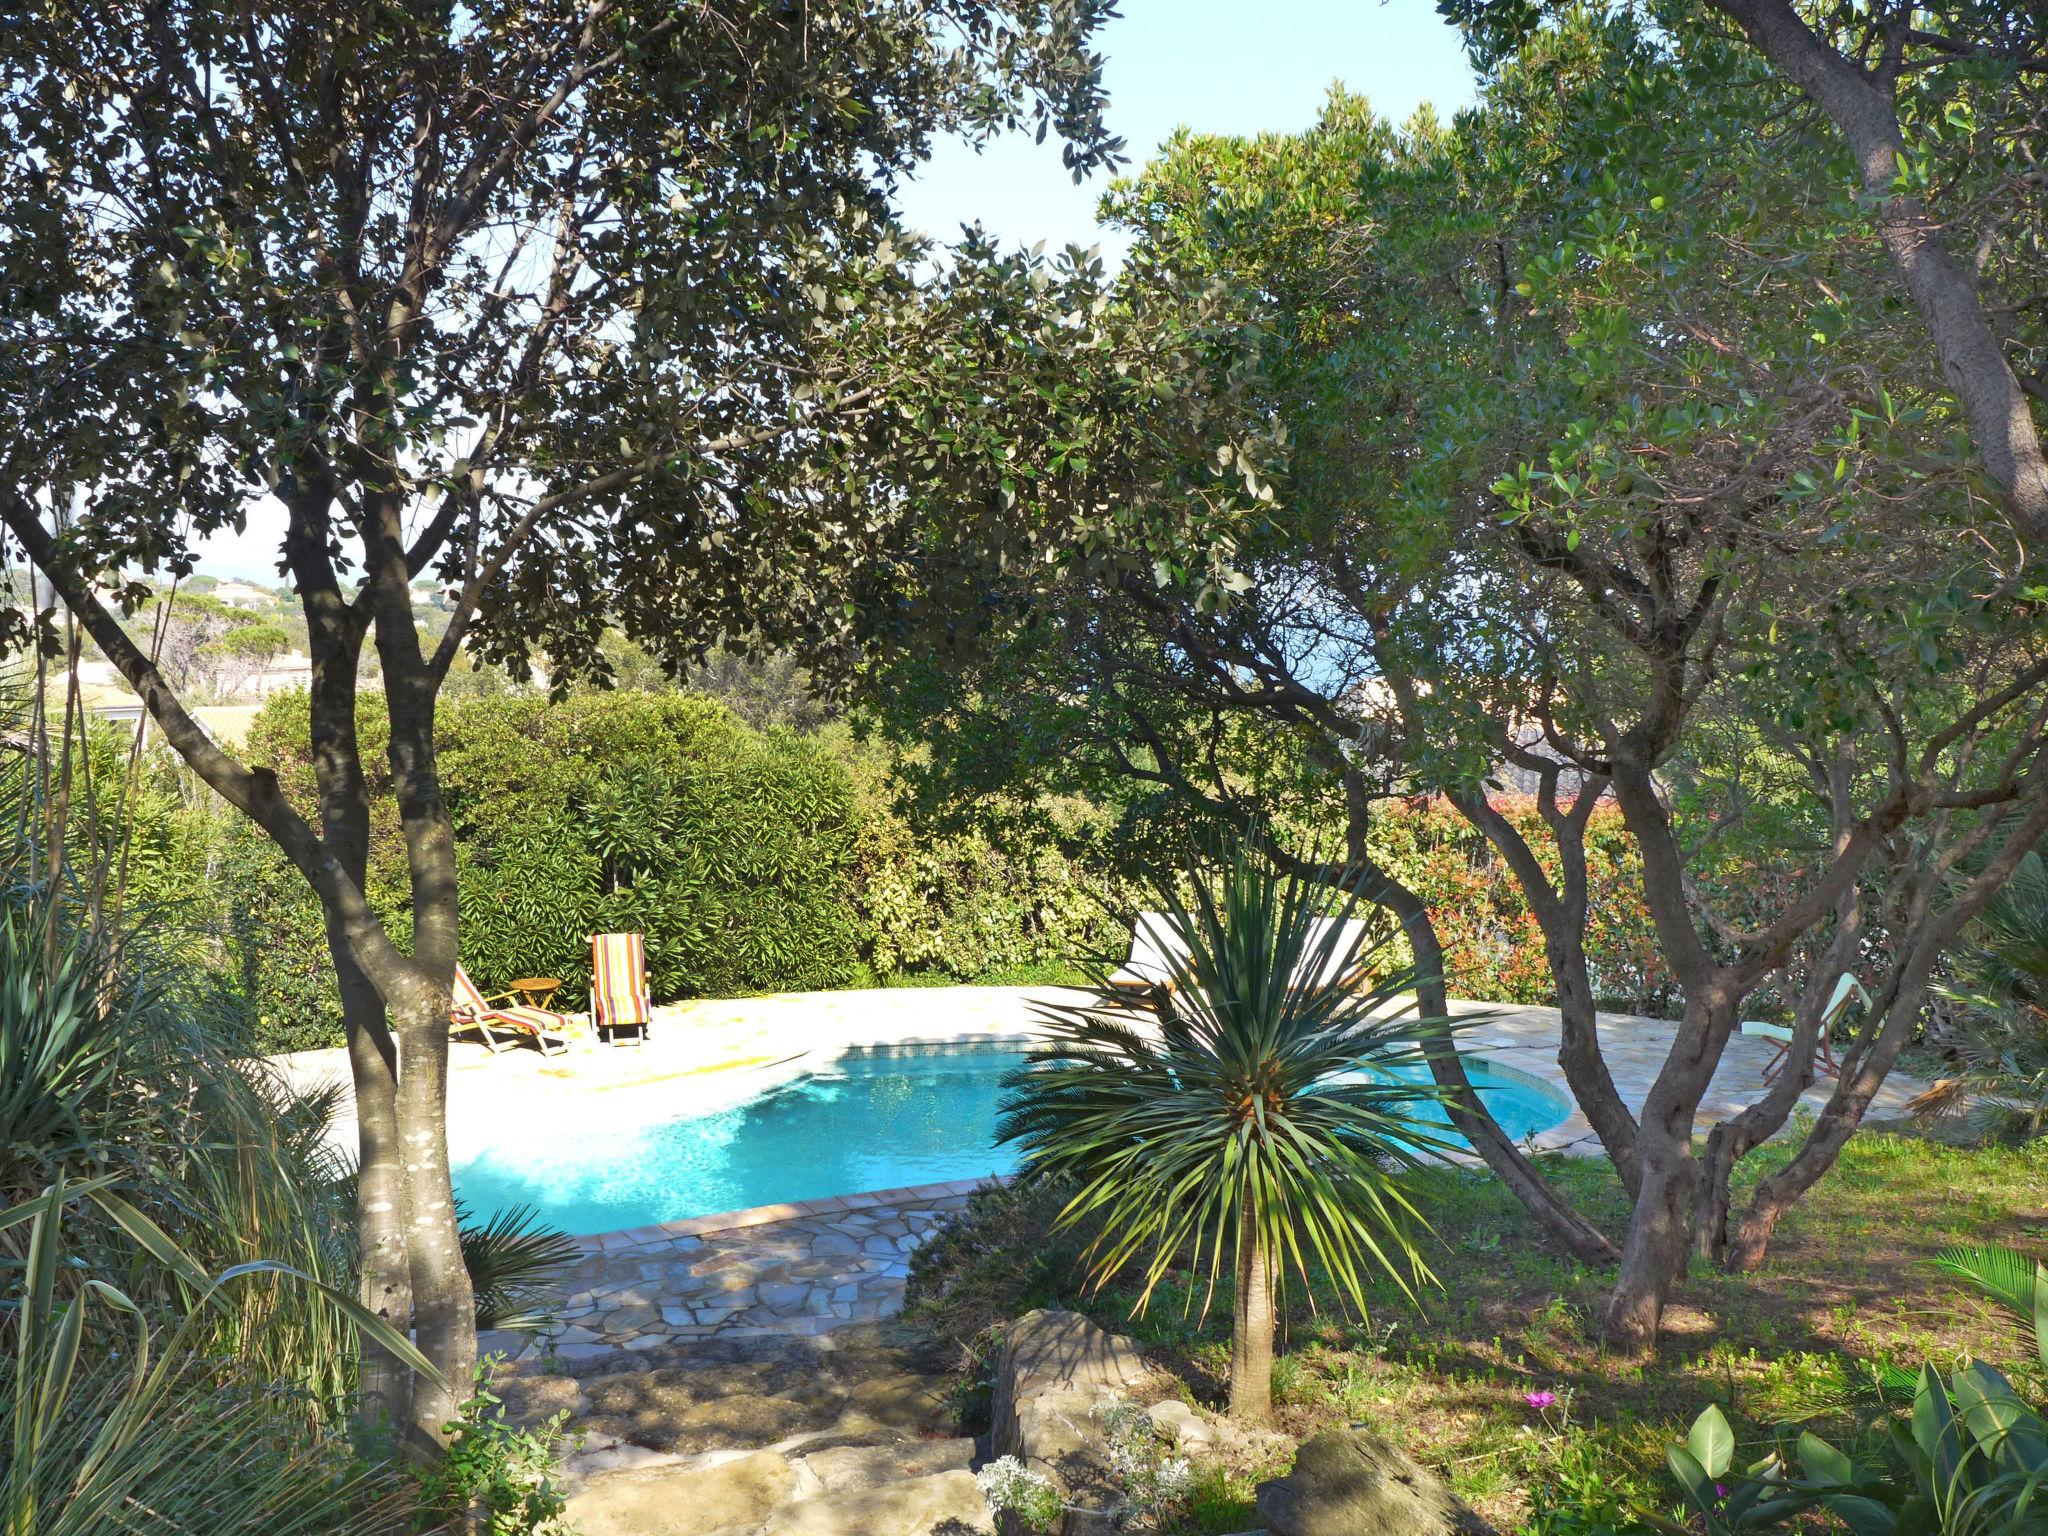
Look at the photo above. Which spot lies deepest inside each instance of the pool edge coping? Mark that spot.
(717, 1222)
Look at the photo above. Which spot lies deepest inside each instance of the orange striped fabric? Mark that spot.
(468, 1001)
(618, 980)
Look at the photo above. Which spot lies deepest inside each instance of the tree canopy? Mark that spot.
(1602, 429)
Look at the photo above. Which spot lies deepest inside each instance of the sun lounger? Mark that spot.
(1847, 989)
(1340, 964)
(618, 985)
(503, 1020)
(1156, 944)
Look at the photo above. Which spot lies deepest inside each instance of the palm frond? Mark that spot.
(515, 1267)
(2016, 1281)
(1259, 1093)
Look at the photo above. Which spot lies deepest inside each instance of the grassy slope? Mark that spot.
(1849, 1280)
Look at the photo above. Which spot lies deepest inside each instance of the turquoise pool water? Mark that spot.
(873, 1119)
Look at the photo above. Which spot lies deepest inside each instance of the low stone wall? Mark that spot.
(795, 1269)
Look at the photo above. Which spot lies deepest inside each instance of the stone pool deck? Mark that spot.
(818, 1265)
(804, 1269)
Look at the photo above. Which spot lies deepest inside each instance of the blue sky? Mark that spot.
(1218, 66)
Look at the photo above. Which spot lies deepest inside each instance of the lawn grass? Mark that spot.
(1850, 1280)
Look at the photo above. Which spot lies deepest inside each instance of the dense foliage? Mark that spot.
(1493, 949)
(754, 861)
(770, 860)
(136, 1164)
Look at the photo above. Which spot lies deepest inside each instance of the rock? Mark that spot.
(1048, 1350)
(945, 1504)
(1179, 1423)
(851, 1468)
(612, 1456)
(1056, 1367)
(682, 1501)
(1350, 1482)
(628, 1320)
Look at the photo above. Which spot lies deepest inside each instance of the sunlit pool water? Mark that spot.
(872, 1119)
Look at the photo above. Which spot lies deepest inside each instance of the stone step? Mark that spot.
(856, 1468)
(906, 1488)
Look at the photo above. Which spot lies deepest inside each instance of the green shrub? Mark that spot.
(995, 1258)
(497, 1478)
(753, 861)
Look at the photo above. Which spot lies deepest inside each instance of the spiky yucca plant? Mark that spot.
(2002, 995)
(1257, 1126)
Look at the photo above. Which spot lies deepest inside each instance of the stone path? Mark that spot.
(799, 1270)
(848, 1433)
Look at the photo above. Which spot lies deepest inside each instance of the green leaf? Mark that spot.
(1824, 1464)
(1711, 1441)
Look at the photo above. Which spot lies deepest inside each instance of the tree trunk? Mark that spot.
(384, 1268)
(1251, 1324)
(1561, 917)
(1862, 1075)
(1468, 1113)
(335, 638)
(1972, 357)
(1580, 1058)
(1653, 1257)
(443, 1303)
(1660, 1226)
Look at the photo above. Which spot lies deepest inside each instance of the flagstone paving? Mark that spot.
(801, 1270)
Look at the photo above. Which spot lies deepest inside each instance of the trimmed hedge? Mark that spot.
(753, 861)
(762, 861)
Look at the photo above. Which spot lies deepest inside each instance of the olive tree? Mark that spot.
(592, 311)
(1940, 107)
(1600, 428)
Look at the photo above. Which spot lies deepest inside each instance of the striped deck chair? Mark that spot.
(505, 1016)
(618, 985)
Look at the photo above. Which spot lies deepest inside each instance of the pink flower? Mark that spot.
(1542, 1399)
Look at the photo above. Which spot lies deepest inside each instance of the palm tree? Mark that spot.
(1256, 1127)
(2002, 992)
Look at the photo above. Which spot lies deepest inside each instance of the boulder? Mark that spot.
(946, 1504)
(1350, 1482)
(1056, 1367)
(1176, 1421)
(1052, 1351)
(683, 1500)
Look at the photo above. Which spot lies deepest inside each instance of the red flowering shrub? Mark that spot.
(1493, 950)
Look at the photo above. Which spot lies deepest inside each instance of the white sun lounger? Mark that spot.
(1317, 970)
(1155, 944)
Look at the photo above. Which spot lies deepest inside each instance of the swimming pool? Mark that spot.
(880, 1118)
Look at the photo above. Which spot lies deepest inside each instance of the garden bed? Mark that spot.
(1850, 1280)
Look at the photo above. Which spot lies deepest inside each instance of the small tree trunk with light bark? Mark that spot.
(1251, 1324)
